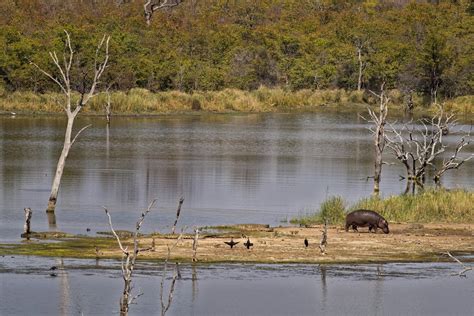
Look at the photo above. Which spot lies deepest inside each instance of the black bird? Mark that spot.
(88, 229)
(231, 243)
(248, 244)
(53, 268)
(306, 243)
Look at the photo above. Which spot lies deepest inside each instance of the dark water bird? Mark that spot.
(231, 243)
(53, 275)
(53, 268)
(88, 229)
(248, 244)
(306, 243)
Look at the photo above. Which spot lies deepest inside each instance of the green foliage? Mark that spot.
(216, 45)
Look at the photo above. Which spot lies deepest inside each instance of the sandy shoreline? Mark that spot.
(406, 242)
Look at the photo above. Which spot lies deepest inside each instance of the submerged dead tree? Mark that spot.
(379, 120)
(178, 212)
(27, 226)
(417, 146)
(128, 260)
(151, 6)
(63, 78)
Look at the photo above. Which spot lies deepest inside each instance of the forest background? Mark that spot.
(226, 55)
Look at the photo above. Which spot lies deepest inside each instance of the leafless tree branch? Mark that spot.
(466, 268)
(151, 6)
(128, 260)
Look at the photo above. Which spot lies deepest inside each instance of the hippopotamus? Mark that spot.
(364, 218)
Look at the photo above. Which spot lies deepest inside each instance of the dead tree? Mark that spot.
(128, 261)
(362, 64)
(195, 244)
(151, 6)
(63, 80)
(324, 238)
(379, 120)
(107, 106)
(417, 147)
(166, 305)
(453, 162)
(27, 226)
(178, 212)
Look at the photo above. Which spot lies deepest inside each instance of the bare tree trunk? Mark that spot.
(379, 135)
(63, 80)
(195, 244)
(178, 212)
(53, 197)
(361, 68)
(27, 227)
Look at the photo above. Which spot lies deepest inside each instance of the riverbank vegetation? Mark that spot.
(428, 206)
(217, 55)
(262, 100)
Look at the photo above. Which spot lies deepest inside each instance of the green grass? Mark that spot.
(142, 101)
(433, 205)
(332, 210)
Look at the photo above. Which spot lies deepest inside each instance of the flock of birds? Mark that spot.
(232, 243)
(249, 244)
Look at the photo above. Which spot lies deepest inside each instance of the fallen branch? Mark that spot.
(462, 273)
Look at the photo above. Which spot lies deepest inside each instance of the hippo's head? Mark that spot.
(383, 224)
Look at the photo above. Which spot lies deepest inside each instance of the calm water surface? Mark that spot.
(230, 169)
(87, 287)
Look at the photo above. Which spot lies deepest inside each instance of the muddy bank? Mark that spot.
(406, 242)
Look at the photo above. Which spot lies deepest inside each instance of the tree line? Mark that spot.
(422, 47)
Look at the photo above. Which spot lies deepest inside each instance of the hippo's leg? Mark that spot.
(354, 227)
(347, 227)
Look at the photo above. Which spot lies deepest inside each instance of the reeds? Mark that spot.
(262, 100)
(431, 205)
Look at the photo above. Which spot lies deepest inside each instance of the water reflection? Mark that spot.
(231, 169)
(83, 287)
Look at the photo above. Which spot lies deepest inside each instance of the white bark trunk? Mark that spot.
(61, 163)
(361, 68)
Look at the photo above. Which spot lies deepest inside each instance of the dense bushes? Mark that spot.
(213, 45)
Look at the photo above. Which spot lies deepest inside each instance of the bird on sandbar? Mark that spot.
(231, 243)
(53, 268)
(306, 243)
(248, 244)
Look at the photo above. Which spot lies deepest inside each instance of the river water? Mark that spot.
(87, 287)
(255, 168)
(230, 169)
